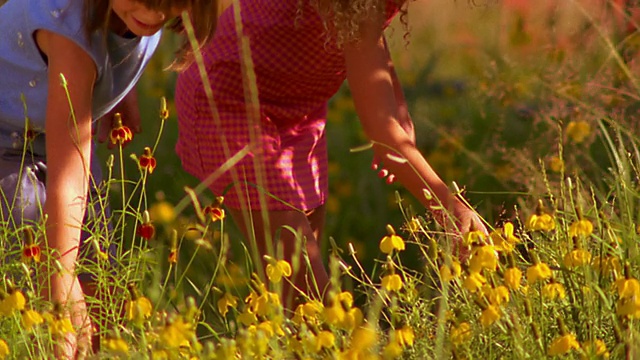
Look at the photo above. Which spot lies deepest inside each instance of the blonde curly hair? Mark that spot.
(343, 18)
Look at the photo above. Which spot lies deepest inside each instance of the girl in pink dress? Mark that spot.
(299, 65)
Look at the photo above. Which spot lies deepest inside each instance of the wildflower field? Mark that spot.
(530, 109)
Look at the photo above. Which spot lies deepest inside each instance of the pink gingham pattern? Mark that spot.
(297, 72)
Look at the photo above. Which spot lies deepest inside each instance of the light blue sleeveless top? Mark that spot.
(23, 72)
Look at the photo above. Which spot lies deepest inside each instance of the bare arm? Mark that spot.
(68, 147)
(382, 110)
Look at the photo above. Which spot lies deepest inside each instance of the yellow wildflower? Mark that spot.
(498, 295)
(597, 348)
(512, 278)
(342, 314)
(14, 301)
(176, 333)
(582, 227)
(162, 212)
(392, 282)
(392, 350)
(58, 325)
(607, 265)
(325, 339)
(225, 302)
(390, 243)
(138, 310)
(308, 310)
(563, 344)
(577, 257)
(474, 281)
(544, 222)
(537, 272)
(556, 164)
(503, 239)
(405, 336)
(473, 237)
(275, 271)
(553, 290)
(629, 307)
(31, 318)
(450, 271)
(628, 288)
(116, 346)
(578, 130)
(483, 257)
(490, 315)
(247, 317)
(460, 334)
(4, 349)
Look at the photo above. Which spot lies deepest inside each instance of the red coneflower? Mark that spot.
(120, 133)
(147, 161)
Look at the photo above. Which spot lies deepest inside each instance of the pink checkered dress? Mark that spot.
(297, 71)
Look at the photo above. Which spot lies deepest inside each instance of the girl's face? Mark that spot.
(141, 20)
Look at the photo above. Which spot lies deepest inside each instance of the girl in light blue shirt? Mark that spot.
(100, 48)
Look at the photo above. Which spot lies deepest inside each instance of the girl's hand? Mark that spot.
(467, 220)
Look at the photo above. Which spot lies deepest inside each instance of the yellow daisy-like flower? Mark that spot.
(563, 344)
(162, 212)
(483, 257)
(607, 265)
(503, 239)
(498, 295)
(392, 282)
(537, 272)
(543, 222)
(15, 301)
(225, 302)
(325, 339)
(628, 288)
(577, 257)
(276, 271)
(490, 315)
(513, 278)
(597, 348)
(138, 310)
(553, 291)
(582, 227)
(474, 282)
(342, 314)
(460, 334)
(247, 318)
(578, 130)
(116, 346)
(176, 333)
(451, 271)
(59, 326)
(405, 336)
(390, 243)
(31, 318)
(629, 307)
(556, 164)
(306, 311)
(473, 237)
(4, 349)
(392, 350)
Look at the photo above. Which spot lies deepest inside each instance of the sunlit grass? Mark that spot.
(549, 148)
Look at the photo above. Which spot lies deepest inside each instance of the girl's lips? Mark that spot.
(146, 26)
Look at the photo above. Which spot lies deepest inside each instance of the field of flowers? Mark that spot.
(528, 108)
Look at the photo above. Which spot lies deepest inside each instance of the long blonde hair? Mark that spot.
(343, 18)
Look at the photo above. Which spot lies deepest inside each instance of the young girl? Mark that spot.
(301, 51)
(98, 49)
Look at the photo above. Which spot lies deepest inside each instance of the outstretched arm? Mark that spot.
(382, 111)
(68, 147)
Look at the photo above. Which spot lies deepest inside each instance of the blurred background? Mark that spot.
(504, 95)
